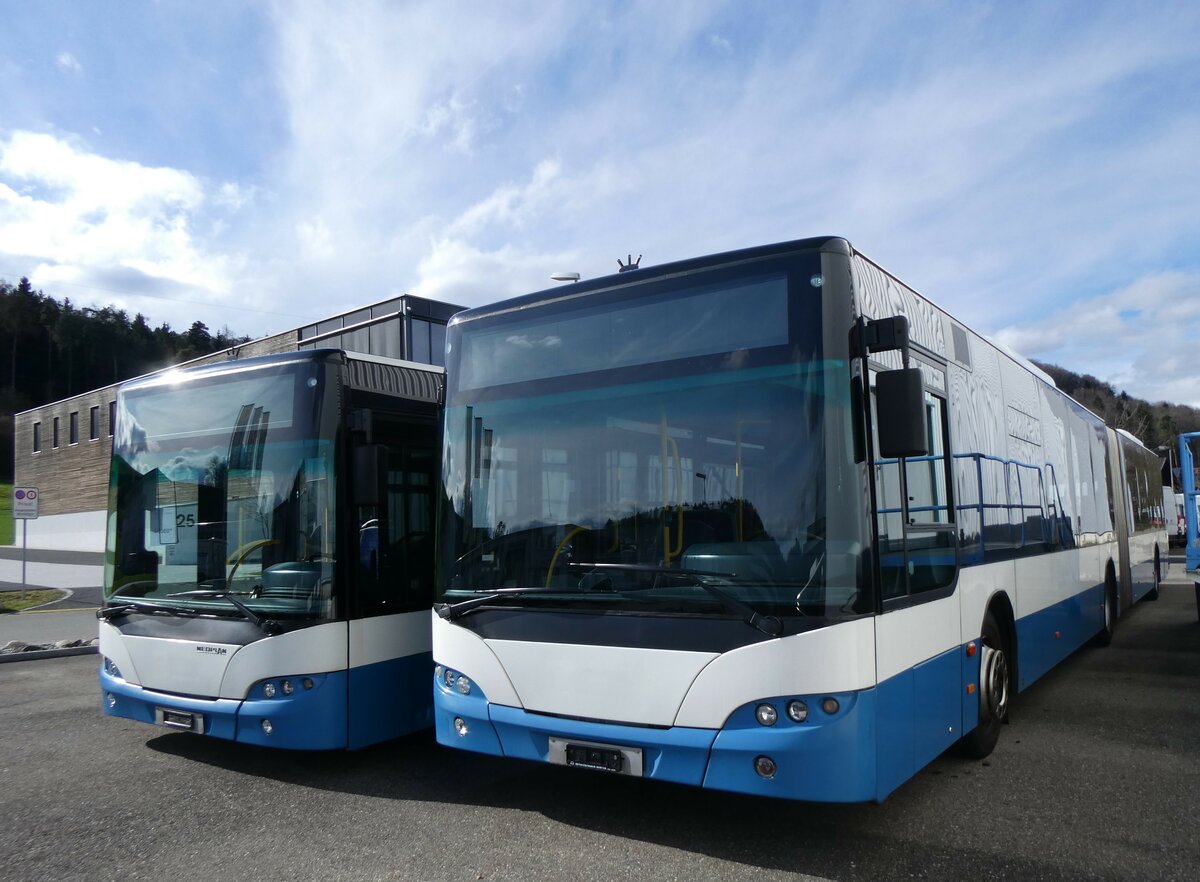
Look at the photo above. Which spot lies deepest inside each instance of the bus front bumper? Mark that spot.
(830, 757)
(309, 719)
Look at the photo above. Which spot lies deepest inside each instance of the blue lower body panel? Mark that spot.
(1047, 636)
(309, 719)
(389, 699)
(830, 757)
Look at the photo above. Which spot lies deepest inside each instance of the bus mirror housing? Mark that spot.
(368, 472)
(900, 407)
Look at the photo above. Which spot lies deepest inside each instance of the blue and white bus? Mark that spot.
(766, 521)
(269, 567)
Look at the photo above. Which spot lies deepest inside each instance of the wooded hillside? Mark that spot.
(1156, 425)
(51, 350)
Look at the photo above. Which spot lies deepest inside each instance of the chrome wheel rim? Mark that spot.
(994, 682)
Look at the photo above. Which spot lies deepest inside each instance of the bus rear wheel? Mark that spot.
(995, 688)
(1105, 637)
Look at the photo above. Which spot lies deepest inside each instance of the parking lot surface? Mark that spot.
(1097, 777)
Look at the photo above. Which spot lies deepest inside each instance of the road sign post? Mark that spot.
(25, 503)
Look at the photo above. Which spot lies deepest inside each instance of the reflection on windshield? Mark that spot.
(226, 496)
(723, 473)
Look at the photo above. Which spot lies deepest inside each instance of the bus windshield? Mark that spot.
(222, 496)
(626, 452)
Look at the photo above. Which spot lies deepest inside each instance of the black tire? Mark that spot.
(995, 690)
(1105, 636)
(1152, 594)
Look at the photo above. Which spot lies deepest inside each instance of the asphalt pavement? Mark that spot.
(79, 574)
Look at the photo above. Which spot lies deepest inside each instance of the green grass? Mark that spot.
(10, 601)
(8, 530)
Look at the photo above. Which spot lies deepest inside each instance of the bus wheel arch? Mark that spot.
(1152, 594)
(997, 677)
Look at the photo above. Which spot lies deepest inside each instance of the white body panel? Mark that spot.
(1047, 579)
(383, 638)
(840, 658)
(222, 670)
(618, 683)
(467, 653)
(307, 651)
(167, 665)
(907, 637)
(655, 686)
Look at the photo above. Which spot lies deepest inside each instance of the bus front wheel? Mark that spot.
(995, 688)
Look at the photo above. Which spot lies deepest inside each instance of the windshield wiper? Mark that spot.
(450, 611)
(112, 610)
(769, 625)
(270, 627)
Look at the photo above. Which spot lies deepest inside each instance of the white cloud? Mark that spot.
(69, 62)
(1141, 337)
(121, 228)
(455, 271)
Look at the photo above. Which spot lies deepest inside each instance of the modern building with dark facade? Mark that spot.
(64, 448)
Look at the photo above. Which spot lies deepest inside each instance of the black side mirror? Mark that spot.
(900, 406)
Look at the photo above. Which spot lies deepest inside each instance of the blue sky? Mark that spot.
(1032, 167)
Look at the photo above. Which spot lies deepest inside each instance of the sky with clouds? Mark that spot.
(1032, 167)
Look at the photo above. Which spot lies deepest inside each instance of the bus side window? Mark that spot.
(917, 549)
(930, 535)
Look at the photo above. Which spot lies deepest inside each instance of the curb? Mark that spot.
(36, 654)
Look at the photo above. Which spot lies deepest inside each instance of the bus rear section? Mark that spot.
(269, 564)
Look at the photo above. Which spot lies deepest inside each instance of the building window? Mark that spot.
(54, 440)
(74, 427)
(94, 423)
(37, 437)
(112, 416)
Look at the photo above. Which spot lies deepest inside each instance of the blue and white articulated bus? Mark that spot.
(270, 555)
(767, 521)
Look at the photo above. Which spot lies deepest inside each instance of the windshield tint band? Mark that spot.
(703, 319)
(694, 633)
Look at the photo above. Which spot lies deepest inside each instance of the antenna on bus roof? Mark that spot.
(630, 263)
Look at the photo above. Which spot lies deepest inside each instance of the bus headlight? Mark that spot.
(765, 766)
(464, 685)
(766, 714)
(288, 688)
(797, 710)
(269, 691)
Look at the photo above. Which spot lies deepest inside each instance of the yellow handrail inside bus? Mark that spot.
(558, 551)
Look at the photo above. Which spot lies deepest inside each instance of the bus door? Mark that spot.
(918, 631)
(392, 583)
